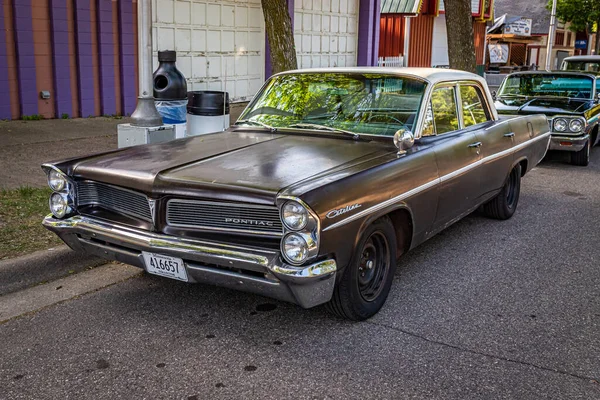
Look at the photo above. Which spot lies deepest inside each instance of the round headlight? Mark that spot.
(56, 181)
(59, 205)
(294, 215)
(295, 248)
(575, 125)
(560, 125)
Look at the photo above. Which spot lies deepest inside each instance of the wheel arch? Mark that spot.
(402, 220)
(524, 165)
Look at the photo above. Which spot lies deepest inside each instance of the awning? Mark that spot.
(400, 6)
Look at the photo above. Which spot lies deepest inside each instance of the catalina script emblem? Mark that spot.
(337, 213)
(252, 222)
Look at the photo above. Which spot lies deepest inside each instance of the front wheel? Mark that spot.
(504, 205)
(582, 157)
(366, 281)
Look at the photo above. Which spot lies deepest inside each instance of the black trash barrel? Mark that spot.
(207, 112)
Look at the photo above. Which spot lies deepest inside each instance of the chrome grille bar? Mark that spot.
(226, 217)
(113, 198)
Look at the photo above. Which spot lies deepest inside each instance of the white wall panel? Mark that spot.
(439, 45)
(325, 32)
(219, 44)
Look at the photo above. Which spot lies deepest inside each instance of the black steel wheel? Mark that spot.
(504, 205)
(366, 281)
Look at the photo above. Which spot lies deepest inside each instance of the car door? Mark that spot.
(457, 154)
(496, 138)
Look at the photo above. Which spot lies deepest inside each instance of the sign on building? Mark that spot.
(498, 53)
(520, 27)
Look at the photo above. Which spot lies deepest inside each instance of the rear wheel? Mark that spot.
(504, 205)
(366, 281)
(581, 157)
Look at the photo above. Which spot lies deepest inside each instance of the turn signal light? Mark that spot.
(566, 144)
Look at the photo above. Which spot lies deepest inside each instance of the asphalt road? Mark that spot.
(485, 310)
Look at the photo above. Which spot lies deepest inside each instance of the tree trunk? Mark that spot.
(459, 25)
(278, 26)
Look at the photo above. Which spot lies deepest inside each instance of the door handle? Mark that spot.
(509, 135)
(475, 145)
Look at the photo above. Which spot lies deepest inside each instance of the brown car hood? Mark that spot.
(234, 165)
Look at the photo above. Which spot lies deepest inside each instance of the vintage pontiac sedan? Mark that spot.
(325, 181)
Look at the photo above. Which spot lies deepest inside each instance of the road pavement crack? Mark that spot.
(479, 353)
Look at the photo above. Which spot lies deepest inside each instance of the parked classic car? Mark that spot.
(327, 178)
(570, 100)
(581, 63)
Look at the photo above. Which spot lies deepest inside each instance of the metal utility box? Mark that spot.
(129, 135)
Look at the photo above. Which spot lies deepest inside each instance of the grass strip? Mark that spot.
(21, 214)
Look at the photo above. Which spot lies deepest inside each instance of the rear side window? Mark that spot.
(441, 115)
(473, 108)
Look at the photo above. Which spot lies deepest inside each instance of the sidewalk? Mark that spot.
(25, 145)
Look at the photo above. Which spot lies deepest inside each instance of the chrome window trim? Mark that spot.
(224, 230)
(432, 183)
(420, 123)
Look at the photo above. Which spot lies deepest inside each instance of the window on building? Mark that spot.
(568, 39)
(559, 39)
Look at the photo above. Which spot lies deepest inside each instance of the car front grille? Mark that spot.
(225, 217)
(113, 198)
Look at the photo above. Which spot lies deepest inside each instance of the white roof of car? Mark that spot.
(432, 75)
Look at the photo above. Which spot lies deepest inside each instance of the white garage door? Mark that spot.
(326, 33)
(219, 44)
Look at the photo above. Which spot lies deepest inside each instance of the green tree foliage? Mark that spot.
(584, 16)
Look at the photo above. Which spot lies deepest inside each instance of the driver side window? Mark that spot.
(441, 115)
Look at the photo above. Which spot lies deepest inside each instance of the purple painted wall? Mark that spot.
(85, 66)
(368, 32)
(268, 66)
(28, 94)
(5, 98)
(127, 46)
(107, 58)
(60, 57)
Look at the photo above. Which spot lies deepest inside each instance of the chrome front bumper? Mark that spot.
(249, 269)
(568, 143)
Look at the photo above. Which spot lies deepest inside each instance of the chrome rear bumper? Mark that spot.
(568, 143)
(249, 269)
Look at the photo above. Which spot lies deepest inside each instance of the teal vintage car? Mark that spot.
(570, 101)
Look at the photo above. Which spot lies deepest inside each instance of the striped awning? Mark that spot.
(400, 6)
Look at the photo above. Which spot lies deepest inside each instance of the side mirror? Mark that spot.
(494, 93)
(598, 97)
(403, 140)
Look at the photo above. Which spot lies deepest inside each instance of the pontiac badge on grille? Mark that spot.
(252, 222)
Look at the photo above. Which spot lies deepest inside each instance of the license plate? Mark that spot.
(169, 267)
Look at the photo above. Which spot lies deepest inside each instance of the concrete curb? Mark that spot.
(43, 266)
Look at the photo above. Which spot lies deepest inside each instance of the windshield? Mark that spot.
(372, 104)
(588, 66)
(540, 85)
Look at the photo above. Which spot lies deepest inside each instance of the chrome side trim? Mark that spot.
(434, 182)
(384, 204)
